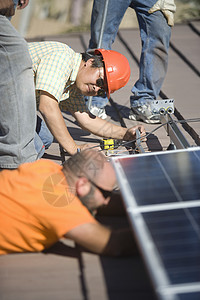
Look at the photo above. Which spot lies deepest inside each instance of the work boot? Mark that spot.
(143, 112)
(98, 112)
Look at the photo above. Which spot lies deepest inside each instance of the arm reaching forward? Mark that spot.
(102, 240)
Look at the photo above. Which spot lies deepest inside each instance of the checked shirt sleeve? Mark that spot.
(51, 74)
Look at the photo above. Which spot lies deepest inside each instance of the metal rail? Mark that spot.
(178, 140)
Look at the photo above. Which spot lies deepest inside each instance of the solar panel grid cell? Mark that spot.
(165, 179)
(190, 296)
(178, 242)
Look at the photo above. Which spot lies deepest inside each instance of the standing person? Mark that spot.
(42, 202)
(155, 20)
(62, 79)
(17, 94)
(77, 7)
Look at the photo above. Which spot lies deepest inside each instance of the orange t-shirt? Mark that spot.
(37, 207)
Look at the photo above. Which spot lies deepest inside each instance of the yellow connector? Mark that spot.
(108, 144)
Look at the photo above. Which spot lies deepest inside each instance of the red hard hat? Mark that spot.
(117, 69)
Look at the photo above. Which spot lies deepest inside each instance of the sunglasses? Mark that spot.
(105, 193)
(100, 83)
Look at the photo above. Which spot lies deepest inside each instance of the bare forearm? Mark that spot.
(59, 130)
(102, 240)
(121, 243)
(118, 243)
(106, 129)
(101, 127)
(53, 117)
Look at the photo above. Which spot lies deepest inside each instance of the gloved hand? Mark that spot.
(167, 7)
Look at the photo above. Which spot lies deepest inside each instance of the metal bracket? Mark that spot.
(138, 142)
(176, 136)
(162, 107)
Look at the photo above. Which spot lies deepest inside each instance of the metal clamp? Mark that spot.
(138, 142)
(162, 107)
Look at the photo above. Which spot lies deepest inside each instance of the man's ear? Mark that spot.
(82, 186)
(89, 62)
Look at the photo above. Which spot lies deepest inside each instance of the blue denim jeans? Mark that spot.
(20, 139)
(17, 99)
(15, 3)
(155, 36)
(43, 137)
(98, 101)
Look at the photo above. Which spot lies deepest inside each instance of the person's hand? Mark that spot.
(88, 146)
(167, 7)
(7, 8)
(22, 4)
(131, 133)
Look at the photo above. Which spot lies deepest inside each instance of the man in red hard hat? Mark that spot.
(116, 70)
(62, 79)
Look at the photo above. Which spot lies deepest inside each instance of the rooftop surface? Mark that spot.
(66, 271)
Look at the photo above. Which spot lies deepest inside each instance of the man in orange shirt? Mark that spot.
(41, 202)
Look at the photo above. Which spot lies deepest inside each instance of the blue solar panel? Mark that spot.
(191, 296)
(176, 236)
(161, 192)
(160, 175)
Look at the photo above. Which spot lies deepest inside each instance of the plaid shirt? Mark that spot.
(55, 67)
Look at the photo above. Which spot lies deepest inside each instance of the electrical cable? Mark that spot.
(158, 127)
(125, 143)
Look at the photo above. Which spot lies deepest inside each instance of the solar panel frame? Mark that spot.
(165, 290)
